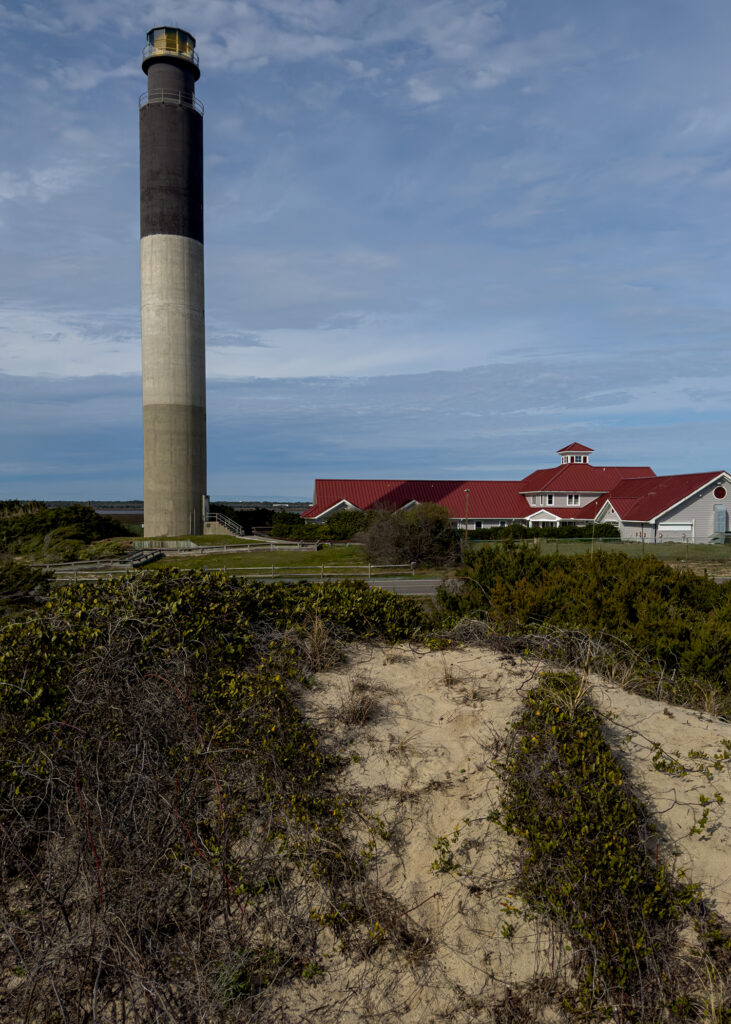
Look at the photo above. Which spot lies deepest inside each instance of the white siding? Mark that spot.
(560, 499)
(699, 512)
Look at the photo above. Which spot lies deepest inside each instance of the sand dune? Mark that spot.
(419, 728)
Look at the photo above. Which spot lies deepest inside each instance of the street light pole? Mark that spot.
(466, 513)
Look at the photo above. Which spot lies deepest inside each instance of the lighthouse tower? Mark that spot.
(171, 256)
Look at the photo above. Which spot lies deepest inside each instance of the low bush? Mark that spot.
(13, 507)
(172, 844)
(676, 620)
(290, 526)
(55, 534)
(340, 526)
(517, 531)
(22, 588)
(421, 534)
(589, 862)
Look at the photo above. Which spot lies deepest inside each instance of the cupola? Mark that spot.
(575, 452)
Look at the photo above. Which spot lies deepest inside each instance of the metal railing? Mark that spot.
(171, 98)
(151, 50)
(163, 544)
(229, 524)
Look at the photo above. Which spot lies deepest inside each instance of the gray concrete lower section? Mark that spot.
(173, 384)
(175, 469)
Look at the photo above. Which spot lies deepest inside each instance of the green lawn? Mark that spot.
(290, 558)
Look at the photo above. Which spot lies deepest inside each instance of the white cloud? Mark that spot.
(90, 76)
(459, 31)
(55, 343)
(389, 188)
(519, 58)
(422, 92)
(243, 33)
(358, 69)
(42, 183)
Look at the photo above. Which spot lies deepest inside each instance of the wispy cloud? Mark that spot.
(394, 193)
(422, 92)
(60, 344)
(40, 184)
(90, 76)
(499, 420)
(518, 58)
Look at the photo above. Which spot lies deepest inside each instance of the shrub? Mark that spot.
(290, 526)
(344, 525)
(421, 534)
(519, 531)
(22, 587)
(13, 507)
(56, 534)
(589, 861)
(673, 618)
(340, 526)
(171, 841)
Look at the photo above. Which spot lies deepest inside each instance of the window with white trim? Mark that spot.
(549, 499)
(573, 499)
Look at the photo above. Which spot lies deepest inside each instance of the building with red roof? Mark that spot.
(689, 506)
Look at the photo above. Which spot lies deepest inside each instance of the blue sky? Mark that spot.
(443, 239)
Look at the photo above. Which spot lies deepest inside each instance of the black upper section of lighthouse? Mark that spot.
(171, 137)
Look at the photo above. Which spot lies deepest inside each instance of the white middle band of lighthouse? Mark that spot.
(173, 321)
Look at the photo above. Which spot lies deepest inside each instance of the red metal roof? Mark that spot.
(635, 492)
(639, 501)
(580, 477)
(574, 447)
(488, 499)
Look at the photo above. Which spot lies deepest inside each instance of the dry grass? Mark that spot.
(357, 701)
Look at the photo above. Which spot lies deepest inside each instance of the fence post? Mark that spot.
(272, 572)
(369, 570)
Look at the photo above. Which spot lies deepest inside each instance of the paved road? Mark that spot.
(408, 586)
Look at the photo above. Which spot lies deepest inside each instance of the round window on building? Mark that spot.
(720, 492)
